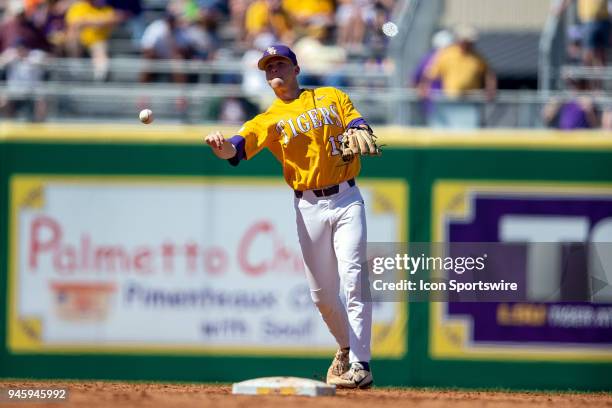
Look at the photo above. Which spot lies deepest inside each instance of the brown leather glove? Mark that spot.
(360, 141)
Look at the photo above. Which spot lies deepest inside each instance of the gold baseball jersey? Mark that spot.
(304, 135)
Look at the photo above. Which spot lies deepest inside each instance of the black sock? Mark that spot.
(365, 365)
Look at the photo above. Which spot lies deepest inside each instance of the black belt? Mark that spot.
(325, 192)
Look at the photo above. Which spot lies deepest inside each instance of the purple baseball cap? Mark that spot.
(273, 51)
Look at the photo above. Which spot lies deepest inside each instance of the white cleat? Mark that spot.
(356, 377)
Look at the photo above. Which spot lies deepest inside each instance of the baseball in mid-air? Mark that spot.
(390, 29)
(146, 116)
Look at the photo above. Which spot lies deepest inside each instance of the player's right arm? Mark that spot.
(250, 140)
(221, 147)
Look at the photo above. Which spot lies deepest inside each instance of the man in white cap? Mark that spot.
(461, 68)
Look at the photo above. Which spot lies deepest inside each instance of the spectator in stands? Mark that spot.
(606, 118)
(193, 10)
(322, 60)
(132, 16)
(231, 110)
(572, 113)
(182, 9)
(237, 9)
(90, 25)
(375, 40)
(440, 41)
(462, 71)
(574, 45)
(218, 6)
(352, 17)
(374, 47)
(460, 68)
(202, 38)
(595, 22)
(55, 25)
(20, 26)
(30, 6)
(254, 85)
(166, 38)
(24, 74)
(269, 16)
(305, 12)
(387, 4)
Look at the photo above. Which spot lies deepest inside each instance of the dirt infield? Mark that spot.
(114, 395)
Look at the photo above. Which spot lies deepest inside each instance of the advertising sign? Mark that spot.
(550, 219)
(174, 265)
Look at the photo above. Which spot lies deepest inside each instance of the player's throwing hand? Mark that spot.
(221, 147)
(215, 139)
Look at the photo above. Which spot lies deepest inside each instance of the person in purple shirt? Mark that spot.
(440, 40)
(573, 113)
(132, 16)
(19, 26)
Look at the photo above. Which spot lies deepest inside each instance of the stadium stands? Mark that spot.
(208, 65)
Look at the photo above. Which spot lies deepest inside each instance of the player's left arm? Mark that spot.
(358, 138)
(351, 118)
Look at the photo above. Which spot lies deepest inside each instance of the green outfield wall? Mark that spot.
(106, 229)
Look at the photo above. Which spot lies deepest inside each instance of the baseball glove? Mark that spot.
(359, 141)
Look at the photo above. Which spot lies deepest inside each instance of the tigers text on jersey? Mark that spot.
(304, 135)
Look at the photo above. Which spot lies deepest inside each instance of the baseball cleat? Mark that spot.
(356, 377)
(339, 366)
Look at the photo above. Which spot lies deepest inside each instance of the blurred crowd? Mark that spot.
(454, 70)
(589, 39)
(452, 80)
(590, 36)
(323, 33)
(189, 29)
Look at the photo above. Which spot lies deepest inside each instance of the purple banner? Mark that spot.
(572, 222)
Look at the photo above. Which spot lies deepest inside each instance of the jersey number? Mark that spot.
(335, 141)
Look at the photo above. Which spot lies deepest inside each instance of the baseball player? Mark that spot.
(317, 135)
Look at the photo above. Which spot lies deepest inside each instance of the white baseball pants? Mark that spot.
(332, 234)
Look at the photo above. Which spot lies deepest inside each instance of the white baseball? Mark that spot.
(146, 116)
(390, 29)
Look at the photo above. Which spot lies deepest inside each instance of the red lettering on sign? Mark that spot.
(38, 242)
(262, 227)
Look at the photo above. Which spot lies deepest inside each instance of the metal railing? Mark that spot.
(600, 78)
(203, 103)
(128, 69)
(71, 93)
(417, 21)
(551, 50)
(552, 71)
